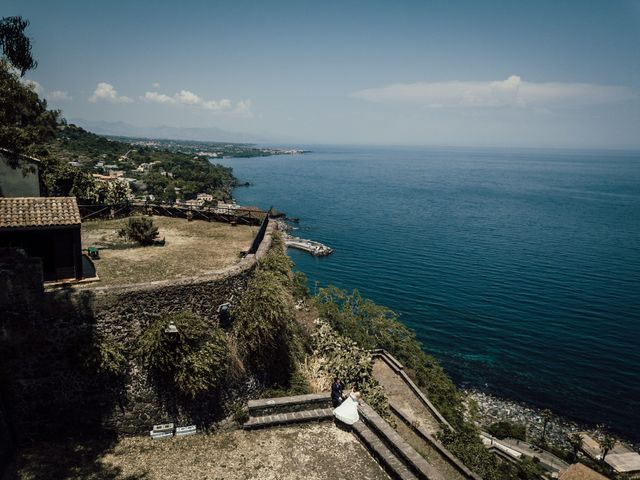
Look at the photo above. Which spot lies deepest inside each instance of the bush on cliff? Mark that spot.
(194, 359)
(375, 326)
(277, 262)
(104, 356)
(342, 358)
(507, 429)
(264, 326)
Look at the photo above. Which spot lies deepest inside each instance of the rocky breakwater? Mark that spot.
(493, 409)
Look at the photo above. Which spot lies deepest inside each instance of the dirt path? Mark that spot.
(405, 400)
(401, 396)
(305, 452)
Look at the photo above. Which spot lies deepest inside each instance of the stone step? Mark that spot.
(414, 461)
(389, 461)
(264, 406)
(264, 421)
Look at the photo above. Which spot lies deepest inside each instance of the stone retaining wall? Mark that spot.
(43, 333)
(296, 403)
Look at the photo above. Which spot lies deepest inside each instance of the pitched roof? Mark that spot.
(38, 212)
(578, 471)
(624, 462)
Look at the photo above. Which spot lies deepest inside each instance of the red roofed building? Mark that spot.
(47, 228)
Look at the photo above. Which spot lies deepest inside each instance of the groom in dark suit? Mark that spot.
(336, 392)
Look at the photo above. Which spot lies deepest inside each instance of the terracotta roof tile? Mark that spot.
(38, 212)
(578, 471)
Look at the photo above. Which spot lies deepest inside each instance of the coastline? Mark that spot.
(296, 201)
(493, 409)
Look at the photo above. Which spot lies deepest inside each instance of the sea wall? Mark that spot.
(48, 389)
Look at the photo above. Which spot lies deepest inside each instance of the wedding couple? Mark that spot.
(345, 405)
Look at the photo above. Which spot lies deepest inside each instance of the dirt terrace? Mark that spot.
(309, 452)
(191, 248)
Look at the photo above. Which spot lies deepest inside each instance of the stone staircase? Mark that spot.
(394, 454)
(271, 412)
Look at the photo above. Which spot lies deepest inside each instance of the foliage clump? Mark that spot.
(141, 230)
(344, 359)
(194, 359)
(264, 323)
(104, 356)
(16, 46)
(277, 262)
(374, 326)
(505, 429)
(353, 325)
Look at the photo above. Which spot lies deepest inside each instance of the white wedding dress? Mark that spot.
(347, 412)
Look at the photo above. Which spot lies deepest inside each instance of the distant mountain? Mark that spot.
(208, 134)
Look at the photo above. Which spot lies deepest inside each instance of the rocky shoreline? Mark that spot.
(492, 409)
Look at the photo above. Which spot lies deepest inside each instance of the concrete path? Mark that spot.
(416, 422)
(403, 397)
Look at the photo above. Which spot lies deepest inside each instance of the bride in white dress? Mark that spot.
(347, 412)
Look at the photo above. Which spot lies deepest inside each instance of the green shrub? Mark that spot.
(375, 326)
(300, 285)
(277, 241)
(507, 429)
(345, 360)
(195, 361)
(264, 324)
(140, 229)
(105, 357)
(278, 263)
(240, 413)
(297, 385)
(465, 444)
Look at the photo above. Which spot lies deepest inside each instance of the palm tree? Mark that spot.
(546, 416)
(575, 439)
(607, 443)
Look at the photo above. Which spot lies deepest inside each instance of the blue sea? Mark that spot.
(518, 269)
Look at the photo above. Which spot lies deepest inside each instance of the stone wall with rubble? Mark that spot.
(44, 334)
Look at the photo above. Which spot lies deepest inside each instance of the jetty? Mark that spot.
(316, 249)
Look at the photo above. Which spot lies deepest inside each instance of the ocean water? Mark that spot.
(518, 269)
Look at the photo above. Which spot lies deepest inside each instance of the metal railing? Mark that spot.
(212, 214)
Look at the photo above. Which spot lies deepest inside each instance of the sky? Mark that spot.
(456, 73)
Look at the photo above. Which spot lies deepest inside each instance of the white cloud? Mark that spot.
(155, 85)
(158, 97)
(58, 95)
(186, 97)
(105, 92)
(512, 92)
(33, 85)
(243, 108)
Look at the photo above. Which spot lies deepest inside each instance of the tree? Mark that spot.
(505, 429)
(117, 193)
(16, 46)
(60, 179)
(141, 230)
(607, 444)
(25, 121)
(546, 416)
(575, 440)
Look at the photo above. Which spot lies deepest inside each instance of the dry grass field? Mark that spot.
(191, 248)
(305, 452)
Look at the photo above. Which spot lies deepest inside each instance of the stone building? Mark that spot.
(47, 228)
